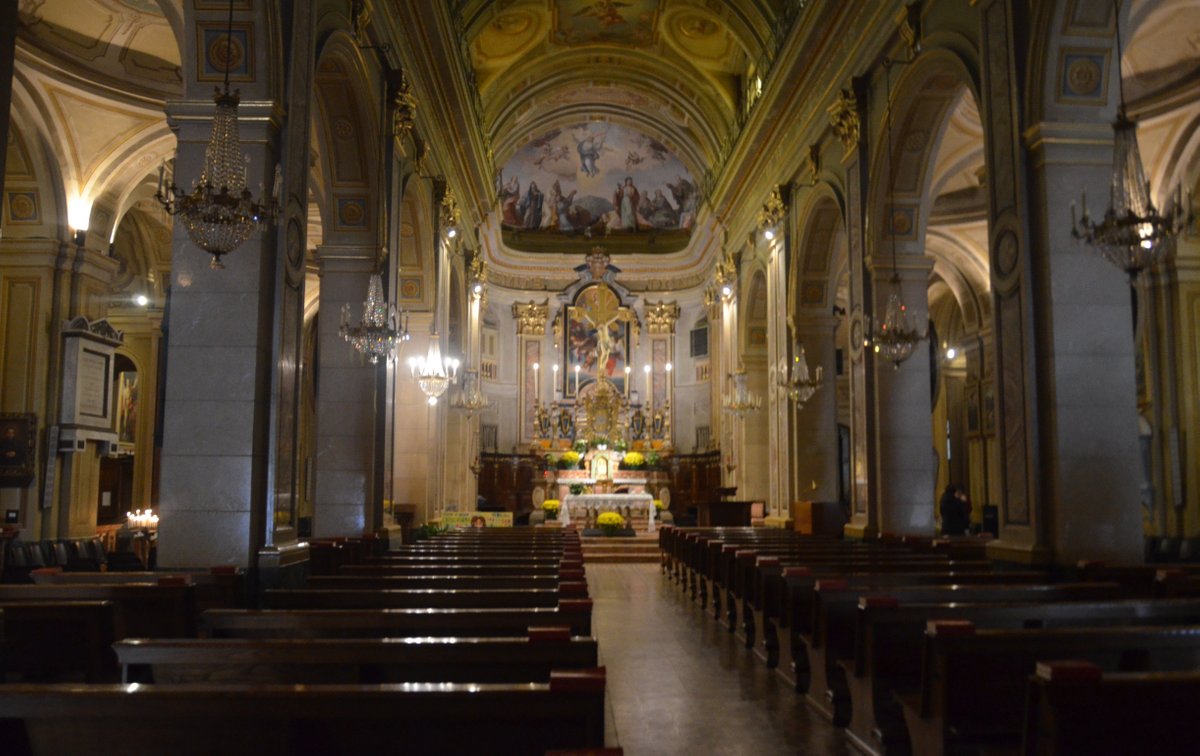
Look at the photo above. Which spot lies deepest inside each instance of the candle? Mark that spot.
(554, 386)
(576, 380)
(162, 169)
(649, 388)
(536, 392)
(669, 367)
(628, 371)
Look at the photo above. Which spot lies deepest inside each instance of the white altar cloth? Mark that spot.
(608, 503)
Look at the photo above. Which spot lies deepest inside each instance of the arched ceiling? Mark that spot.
(126, 43)
(678, 72)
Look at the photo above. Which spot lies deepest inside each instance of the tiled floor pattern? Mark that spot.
(678, 683)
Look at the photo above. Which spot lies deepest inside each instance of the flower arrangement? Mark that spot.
(569, 460)
(633, 461)
(600, 442)
(550, 507)
(658, 505)
(610, 523)
(620, 445)
(580, 446)
(576, 489)
(652, 460)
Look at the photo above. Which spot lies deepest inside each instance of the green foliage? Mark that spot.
(428, 530)
(576, 489)
(581, 446)
(621, 445)
(652, 459)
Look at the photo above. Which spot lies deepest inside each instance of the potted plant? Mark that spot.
(653, 460)
(576, 489)
(610, 522)
(550, 507)
(620, 445)
(600, 442)
(569, 460)
(632, 461)
(580, 446)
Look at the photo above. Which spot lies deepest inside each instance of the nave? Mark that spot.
(679, 684)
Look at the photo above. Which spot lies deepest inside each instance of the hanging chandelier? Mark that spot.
(219, 213)
(471, 399)
(433, 373)
(739, 400)
(381, 329)
(894, 338)
(799, 384)
(1133, 235)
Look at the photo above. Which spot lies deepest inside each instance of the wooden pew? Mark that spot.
(394, 623)
(832, 640)
(973, 681)
(367, 598)
(166, 610)
(428, 582)
(888, 640)
(1076, 708)
(273, 720)
(362, 660)
(458, 568)
(219, 587)
(52, 641)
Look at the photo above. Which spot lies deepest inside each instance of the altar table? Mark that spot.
(609, 503)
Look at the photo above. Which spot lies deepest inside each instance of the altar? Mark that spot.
(634, 507)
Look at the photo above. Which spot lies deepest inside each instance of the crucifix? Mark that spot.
(600, 313)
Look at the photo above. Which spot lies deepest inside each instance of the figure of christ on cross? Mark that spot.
(600, 314)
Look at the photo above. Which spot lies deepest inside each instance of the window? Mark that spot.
(699, 340)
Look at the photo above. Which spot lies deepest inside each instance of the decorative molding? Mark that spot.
(843, 118)
(531, 317)
(100, 330)
(404, 112)
(773, 210)
(661, 316)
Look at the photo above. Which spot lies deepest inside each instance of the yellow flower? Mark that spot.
(610, 518)
(633, 459)
(550, 504)
(570, 457)
(659, 505)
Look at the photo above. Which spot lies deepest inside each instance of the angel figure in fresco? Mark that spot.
(607, 12)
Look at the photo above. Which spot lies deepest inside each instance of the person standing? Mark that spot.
(955, 510)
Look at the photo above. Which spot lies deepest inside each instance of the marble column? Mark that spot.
(815, 423)
(906, 460)
(345, 400)
(1091, 472)
(778, 405)
(219, 358)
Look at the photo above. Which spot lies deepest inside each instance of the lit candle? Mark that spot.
(649, 388)
(628, 371)
(577, 380)
(554, 387)
(669, 367)
(536, 391)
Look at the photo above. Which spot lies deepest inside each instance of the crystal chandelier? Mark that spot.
(471, 399)
(1133, 235)
(800, 385)
(381, 328)
(894, 338)
(219, 212)
(433, 373)
(739, 401)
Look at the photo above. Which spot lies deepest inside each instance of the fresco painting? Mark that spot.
(624, 22)
(596, 179)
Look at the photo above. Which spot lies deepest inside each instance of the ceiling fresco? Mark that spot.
(631, 22)
(596, 180)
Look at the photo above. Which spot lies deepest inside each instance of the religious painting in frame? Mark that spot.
(127, 407)
(595, 305)
(18, 432)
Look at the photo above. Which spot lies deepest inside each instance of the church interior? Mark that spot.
(749, 326)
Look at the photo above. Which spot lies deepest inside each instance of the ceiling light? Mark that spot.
(453, 232)
(141, 300)
(769, 233)
(951, 353)
(726, 291)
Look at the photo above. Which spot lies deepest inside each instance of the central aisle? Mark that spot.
(679, 684)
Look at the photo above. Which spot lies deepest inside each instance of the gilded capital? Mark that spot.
(531, 317)
(404, 112)
(661, 317)
(843, 117)
(773, 210)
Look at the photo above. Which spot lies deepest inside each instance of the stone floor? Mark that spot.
(679, 684)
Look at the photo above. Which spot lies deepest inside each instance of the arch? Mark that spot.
(755, 312)
(822, 240)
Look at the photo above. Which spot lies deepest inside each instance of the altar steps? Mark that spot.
(642, 548)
